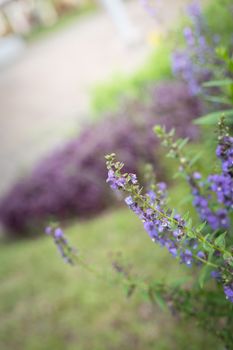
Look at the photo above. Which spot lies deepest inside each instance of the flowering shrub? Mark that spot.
(175, 232)
(204, 246)
(207, 245)
(69, 182)
(204, 243)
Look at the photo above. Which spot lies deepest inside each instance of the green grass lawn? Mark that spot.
(47, 305)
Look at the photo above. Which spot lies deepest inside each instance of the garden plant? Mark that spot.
(161, 186)
(203, 240)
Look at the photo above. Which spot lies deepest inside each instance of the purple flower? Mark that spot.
(188, 34)
(223, 218)
(201, 255)
(114, 181)
(178, 234)
(196, 175)
(162, 186)
(173, 250)
(228, 290)
(216, 275)
(152, 196)
(58, 233)
(186, 257)
(111, 179)
(194, 10)
(133, 178)
(129, 201)
(48, 230)
(66, 251)
(151, 229)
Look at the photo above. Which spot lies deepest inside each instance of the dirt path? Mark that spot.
(44, 95)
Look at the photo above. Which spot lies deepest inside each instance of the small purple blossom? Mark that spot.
(196, 175)
(133, 178)
(150, 228)
(58, 233)
(228, 290)
(188, 34)
(216, 275)
(194, 10)
(186, 257)
(63, 247)
(201, 255)
(48, 230)
(152, 196)
(129, 201)
(114, 181)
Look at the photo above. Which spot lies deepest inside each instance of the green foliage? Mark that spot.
(107, 96)
(222, 84)
(219, 16)
(199, 304)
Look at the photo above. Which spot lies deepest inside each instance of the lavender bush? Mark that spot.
(69, 183)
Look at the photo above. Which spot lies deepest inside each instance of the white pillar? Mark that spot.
(117, 11)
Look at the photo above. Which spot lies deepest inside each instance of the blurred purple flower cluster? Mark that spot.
(70, 182)
(192, 63)
(151, 7)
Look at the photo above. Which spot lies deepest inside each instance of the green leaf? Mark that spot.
(195, 159)
(219, 99)
(227, 256)
(160, 300)
(204, 275)
(158, 130)
(186, 216)
(212, 118)
(221, 52)
(220, 241)
(206, 245)
(182, 143)
(200, 227)
(189, 223)
(213, 83)
(179, 174)
(230, 66)
(191, 234)
(181, 281)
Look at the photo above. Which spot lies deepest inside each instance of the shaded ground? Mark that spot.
(44, 95)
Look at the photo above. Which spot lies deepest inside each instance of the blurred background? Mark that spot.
(80, 79)
(52, 54)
